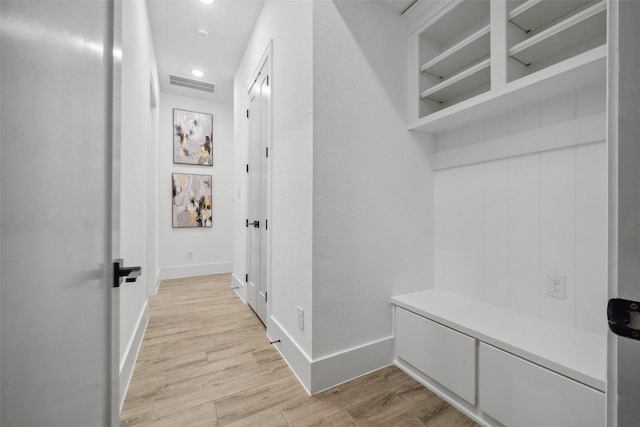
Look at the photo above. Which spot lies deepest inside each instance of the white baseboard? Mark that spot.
(329, 371)
(240, 287)
(180, 271)
(128, 361)
(296, 358)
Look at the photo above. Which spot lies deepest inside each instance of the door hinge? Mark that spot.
(246, 222)
(246, 278)
(267, 151)
(265, 297)
(247, 168)
(266, 224)
(267, 80)
(247, 114)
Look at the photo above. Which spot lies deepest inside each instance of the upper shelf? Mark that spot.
(573, 31)
(535, 14)
(467, 80)
(455, 19)
(470, 50)
(585, 68)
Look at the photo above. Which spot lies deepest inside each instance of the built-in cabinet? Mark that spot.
(530, 76)
(499, 366)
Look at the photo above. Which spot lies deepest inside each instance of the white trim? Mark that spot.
(338, 368)
(180, 271)
(586, 130)
(158, 280)
(297, 359)
(128, 360)
(334, 369)
(241, 286)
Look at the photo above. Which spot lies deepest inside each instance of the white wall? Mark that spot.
(212, 247)
(288, 25)
(502, 225)
(372, 180)
(138, 69)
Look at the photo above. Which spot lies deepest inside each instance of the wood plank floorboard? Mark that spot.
(206, 361)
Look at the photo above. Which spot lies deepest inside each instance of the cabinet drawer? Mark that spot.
(443, 354)
(519, 393)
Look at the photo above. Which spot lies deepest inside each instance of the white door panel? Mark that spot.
(258, 194)
(56, 89)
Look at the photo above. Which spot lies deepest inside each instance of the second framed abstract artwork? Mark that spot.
(192, 196)
(192, 138)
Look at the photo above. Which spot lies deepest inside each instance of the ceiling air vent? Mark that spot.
(191, 84)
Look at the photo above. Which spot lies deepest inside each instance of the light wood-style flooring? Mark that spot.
(206, 361)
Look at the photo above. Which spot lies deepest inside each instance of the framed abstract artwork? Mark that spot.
(191, 200)
(192, 138)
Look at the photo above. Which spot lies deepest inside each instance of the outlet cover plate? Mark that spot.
(556, 285)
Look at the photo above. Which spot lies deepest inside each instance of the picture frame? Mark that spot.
(191, 200)
(192, 138)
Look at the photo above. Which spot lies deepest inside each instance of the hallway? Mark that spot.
(205, 361)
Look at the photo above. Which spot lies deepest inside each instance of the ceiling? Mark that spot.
(179, 49)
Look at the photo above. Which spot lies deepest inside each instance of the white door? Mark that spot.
(56, 178)
(257, 222)
(623, 381)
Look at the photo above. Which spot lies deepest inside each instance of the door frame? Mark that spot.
(623, 59)
(265, 63)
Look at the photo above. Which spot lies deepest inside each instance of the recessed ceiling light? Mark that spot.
(202, 31)
(197, 73)
(207, 1)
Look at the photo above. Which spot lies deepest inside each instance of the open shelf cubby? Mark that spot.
(454, 49)
(576, 32)
(532, 15)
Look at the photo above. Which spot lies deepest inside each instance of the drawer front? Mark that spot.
(443, 354)
(519, 393)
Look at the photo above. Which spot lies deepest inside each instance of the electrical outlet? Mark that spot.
(301, 318)
(189, 254)
(556, 285)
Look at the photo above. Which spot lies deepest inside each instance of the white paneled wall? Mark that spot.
(585, 102)
(501, 226)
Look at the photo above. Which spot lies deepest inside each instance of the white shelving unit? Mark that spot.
(552, 47)
(493, 82)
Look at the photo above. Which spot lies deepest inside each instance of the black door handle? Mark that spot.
(256, 224)
(128, 274)
(619, 313)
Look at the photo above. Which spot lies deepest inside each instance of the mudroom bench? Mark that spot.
(498, 366)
